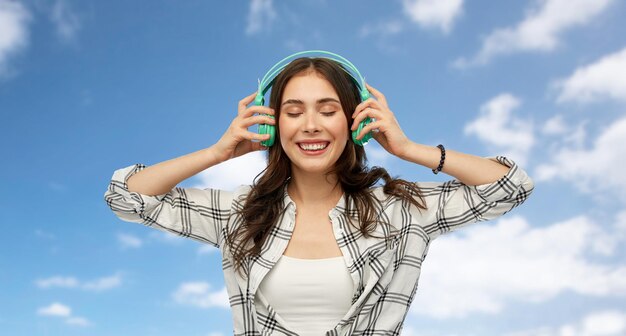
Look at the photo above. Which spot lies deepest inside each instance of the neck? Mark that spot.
(314, 189)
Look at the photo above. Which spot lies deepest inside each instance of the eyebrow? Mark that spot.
(319, 101)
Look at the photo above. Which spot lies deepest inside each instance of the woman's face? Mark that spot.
(313, 127)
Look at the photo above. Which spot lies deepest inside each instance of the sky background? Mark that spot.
(89, 87)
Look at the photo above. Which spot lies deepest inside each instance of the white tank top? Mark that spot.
(311, 295)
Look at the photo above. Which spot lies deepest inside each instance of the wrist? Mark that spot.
(441, 160)
(427, 156)
(214, 155)
(409, 151)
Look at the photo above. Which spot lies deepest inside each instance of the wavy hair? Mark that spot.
(263, 205)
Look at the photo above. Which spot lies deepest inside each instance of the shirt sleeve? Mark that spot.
(199, 214)
(452, 204)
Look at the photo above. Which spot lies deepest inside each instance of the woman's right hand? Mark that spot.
(237, 140)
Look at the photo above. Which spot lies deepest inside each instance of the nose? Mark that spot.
(311, 122)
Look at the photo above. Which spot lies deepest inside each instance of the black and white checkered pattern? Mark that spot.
(385, 274)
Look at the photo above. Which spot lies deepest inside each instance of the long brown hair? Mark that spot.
(264, 203)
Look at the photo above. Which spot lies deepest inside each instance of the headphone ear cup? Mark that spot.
(364, 140)
(268, 129)
(259, 100)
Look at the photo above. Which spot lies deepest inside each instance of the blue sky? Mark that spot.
(89, 87)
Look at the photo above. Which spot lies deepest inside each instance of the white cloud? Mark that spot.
(382, 29)
(497, 127)
(501, 263)
(128, 241)
(438, 14)
(604, 79)
(604, 323)
(55, 309)
(198, 294)
(600, 323)
(103, 283)
(78, 321)
(260, 16)
(65, 20)
(539, 31)
(60, 310)
(14, 20)
(165, 237)
(597, 170)
(58, 281)
(380, 34)
(565, 134)
(232, 173)
(554, 126)
(71, 282)
(620, 225)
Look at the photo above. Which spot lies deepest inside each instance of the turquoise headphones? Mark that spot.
(270, 76)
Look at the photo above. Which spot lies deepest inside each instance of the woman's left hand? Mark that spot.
(389, 134)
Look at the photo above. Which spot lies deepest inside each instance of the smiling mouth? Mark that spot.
(313, 146)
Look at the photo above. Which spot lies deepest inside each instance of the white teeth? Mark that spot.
(317, 146)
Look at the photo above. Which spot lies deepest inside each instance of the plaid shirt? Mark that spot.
(385, 273)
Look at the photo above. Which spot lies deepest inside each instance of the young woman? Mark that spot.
(347, 262)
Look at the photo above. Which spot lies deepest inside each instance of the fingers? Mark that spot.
(239, 126)
(250, 111)
(363, 105)
(258, 119)
(256, 136)
(368, 128)
(248, 116)
(376, 109)
(243, 135)
(245, 111)
(367, 112)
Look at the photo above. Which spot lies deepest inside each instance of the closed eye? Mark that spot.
(327, 114)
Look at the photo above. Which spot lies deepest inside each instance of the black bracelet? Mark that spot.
(443, 158)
